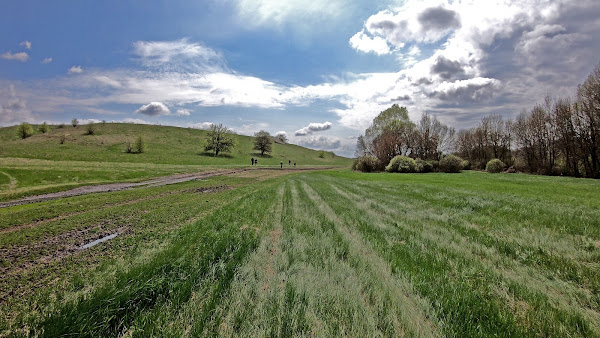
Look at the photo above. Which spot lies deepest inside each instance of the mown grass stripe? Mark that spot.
(413, 317)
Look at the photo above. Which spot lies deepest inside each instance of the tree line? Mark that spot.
(560, 136)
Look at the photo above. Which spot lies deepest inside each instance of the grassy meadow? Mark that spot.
(325, 253)
(41, 164)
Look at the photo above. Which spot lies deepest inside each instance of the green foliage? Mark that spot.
(263, 142)
(494, 166)
(140, 145)
(90, 129)
(129, 147)
(322, 154)
(74, 122)
(466, 165)
(366, 164)
(451, 164)
(219, 139)
(60, 126)
(401, 164)
(63, 139)
(44, 128)
(424, 166)
(281, 138)
(24, 130)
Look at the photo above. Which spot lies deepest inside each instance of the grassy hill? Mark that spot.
(41, 164)
(165, 145)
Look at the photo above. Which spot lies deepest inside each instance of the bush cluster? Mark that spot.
(451, 164)
(494, 166)
(401, 164)
(24, 130)
(425, 166)
(366, 164)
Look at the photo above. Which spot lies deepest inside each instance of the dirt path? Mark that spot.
(173, 179)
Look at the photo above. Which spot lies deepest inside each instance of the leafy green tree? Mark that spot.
(24, 130)
(263, 142)
(281, 138)
(74, 122)
(140, 145)
(90, 129)
(390, 134)
(44, 128)
(219, 139)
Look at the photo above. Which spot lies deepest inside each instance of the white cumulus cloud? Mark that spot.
(46, 61)
(154, 109)
(312, 127)
(182, 112)
(277, 12)
(362, 42)
(200, 125)
(26, 44)
(75, 70)
(22, 56)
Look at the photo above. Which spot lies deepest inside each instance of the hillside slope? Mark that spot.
(165, 145)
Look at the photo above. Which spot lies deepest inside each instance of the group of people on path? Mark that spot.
(254, 161)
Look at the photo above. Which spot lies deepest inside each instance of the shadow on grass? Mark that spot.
(262, 156)
(209, 154)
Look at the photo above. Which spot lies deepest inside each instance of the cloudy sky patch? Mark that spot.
(275, 65)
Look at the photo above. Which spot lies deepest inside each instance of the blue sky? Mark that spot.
(317, 70)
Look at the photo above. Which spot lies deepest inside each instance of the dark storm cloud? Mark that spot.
(465, 94)
(439, 18)
(446, 68)
(402, 98)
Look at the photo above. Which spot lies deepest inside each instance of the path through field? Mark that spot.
(155, 182)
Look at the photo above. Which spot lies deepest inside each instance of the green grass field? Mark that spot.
(40, 164)
(325, 253)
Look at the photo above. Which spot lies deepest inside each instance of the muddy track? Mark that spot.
(155, 182)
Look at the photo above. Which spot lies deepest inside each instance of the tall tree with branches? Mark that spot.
(219, 139)
(263, 142)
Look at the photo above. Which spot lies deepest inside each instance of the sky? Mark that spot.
(318, 71)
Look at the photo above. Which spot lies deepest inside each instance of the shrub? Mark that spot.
(129, 148)
(322, 154)
(466, 165)
(90, 129)
(451, 164)
(435, 165)
(140, 145)
(366, 164)
(24, 130)
(401, 164)
(494, 166)
(61, 126)
(43, 128)
(63, 139)
(423, 166)
(74, 122)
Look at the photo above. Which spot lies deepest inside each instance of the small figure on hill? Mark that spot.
(290, 162)
(294, 164)
(252, 160)
(256, 161)
(281, 164)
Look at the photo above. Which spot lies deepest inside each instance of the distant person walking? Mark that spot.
(281, 164)
(256, 161)
(252, 160)
(294, 164)
(289, 162)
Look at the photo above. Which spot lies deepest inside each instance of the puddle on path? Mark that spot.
(99, 240)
